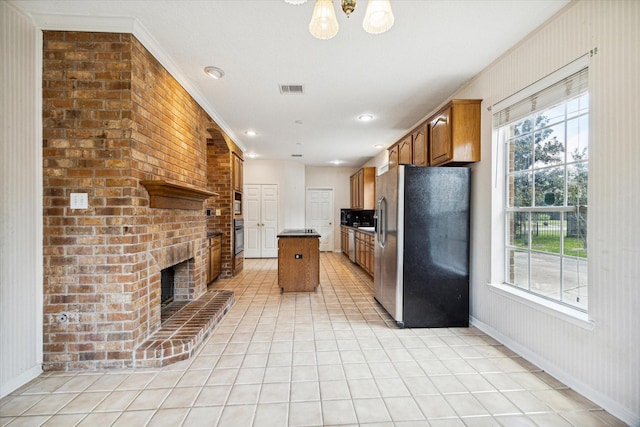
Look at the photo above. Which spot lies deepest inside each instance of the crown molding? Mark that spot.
(120, 24)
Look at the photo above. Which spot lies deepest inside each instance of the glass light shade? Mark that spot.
(378, 18)
(324, 24)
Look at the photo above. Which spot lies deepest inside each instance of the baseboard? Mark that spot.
(15, 383)
(605, 402)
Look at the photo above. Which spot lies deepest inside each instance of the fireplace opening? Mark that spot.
(167, 279)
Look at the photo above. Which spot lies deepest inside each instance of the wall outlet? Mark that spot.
(218, 212)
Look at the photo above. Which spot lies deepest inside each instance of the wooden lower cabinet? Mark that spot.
(344, 240)
(365, 251)
(215, 258)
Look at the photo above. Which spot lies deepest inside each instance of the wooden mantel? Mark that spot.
(170, 195)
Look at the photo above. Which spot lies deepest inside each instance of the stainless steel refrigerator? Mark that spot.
(422, 245)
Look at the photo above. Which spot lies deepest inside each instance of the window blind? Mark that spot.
(543, 93)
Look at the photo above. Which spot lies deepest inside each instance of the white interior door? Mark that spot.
(319, 212)
(252, 240)
(261, 221)
(269, 221)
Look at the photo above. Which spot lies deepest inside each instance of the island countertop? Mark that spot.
(299, 232)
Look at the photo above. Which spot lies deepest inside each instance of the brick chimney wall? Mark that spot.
(113, 116)
(219, 162)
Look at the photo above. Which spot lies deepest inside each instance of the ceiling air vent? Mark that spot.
(296, 155)
(291, 89)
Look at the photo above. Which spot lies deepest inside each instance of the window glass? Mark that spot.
(546, 201)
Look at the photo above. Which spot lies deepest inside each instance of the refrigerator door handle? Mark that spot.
(382, 221)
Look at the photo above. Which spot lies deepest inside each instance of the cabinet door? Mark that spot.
(393, 156)
(216, 257)
(354, 191)
(372, 250)
(360, 250)
(405, 151)
(209, 260)
(237, 173)
(360, 186)
(419, 139)
(440, 138)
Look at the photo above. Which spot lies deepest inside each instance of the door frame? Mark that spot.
(333, 213)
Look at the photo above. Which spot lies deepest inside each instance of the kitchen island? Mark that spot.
(298, 260)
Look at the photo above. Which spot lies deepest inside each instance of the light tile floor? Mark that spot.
(332, 357)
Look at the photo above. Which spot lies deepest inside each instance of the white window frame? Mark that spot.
(499, 215)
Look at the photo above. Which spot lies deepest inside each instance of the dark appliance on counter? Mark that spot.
(238, 235)
(422, 245)
(345, 216)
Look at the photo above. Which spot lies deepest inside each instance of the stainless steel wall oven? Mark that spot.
(238, 235)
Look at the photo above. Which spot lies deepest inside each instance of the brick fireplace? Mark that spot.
(113, 117)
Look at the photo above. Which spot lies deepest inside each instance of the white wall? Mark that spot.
(337, 178)
(602, 361)
(293, 179)
(290, 178)
(21, 200)
(379, 161)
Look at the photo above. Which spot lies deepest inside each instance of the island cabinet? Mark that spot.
(215, 257)
(298, 260)
(454, 133)
(363, 189)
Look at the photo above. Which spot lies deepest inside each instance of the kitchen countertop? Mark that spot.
(369, 230)
(299, 232)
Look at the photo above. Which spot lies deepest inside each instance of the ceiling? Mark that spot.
(399, 77)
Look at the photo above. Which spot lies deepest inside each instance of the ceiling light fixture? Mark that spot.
(378, 17)
(214, 72)
(365, 117)
(250, 133)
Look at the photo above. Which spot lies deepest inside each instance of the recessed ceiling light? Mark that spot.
(298, 122)
(251, 155)
(378, 146)
(250, 133)
(365, 117)
(336, 162)
(214, 72)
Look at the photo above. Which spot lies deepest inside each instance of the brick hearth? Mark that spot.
(182, 333)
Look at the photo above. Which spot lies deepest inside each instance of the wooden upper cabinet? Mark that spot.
(363, 189)
(393, 156)
(420, 149)
(454, 133)
(354, 194)
(405, 151)
(237, 173)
